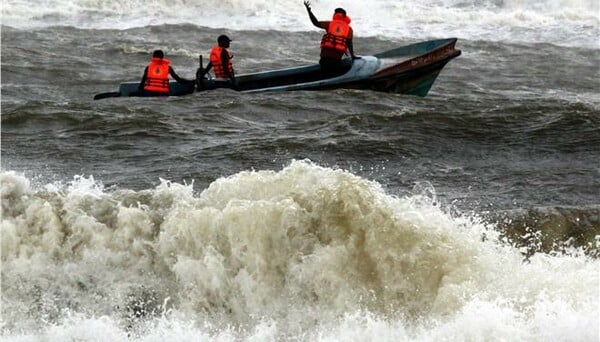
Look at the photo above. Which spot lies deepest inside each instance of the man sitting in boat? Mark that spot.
(155, 81)
(336, 42)
(220, 60)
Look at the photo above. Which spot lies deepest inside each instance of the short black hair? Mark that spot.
(340, 10)
(223, 40)
(158, 54)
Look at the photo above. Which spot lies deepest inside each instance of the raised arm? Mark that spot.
(312, 17)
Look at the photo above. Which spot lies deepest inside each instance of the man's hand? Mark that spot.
(307, 5)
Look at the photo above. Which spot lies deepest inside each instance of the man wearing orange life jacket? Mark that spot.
(337, 41)
(220, 60)
(155, 81)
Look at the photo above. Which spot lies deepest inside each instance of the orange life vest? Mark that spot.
(337, 33)
(217, 63)
(157, 78)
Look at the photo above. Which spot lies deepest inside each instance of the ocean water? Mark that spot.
(472, 214)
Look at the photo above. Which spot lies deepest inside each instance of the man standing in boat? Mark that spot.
(337, 41)
(220, 60)
(155, 81)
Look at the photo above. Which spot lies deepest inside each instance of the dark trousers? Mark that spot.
(332, 66)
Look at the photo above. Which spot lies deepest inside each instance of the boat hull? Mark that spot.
(410, 69)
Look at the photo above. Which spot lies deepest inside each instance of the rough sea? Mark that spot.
(472, 214)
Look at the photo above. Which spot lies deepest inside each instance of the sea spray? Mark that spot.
(304, 251)
(571, 23)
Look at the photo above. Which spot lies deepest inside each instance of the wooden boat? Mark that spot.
(410, 69)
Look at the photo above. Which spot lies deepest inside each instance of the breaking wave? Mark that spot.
(571, 23)
(306, 252)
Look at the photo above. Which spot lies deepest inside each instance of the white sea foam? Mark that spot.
(306, 252)
(563, 22)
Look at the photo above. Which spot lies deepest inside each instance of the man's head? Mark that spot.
(340, 10)
(223, 41)
(340, 14)
(158, 54)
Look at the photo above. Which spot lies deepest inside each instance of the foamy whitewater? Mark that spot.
(560, 22)
(304, 216)
(305, 253)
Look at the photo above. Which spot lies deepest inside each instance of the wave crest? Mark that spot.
(306, 241)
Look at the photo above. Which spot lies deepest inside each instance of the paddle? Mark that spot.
(105, 95)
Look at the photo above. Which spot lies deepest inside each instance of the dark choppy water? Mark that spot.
(510, 134)
(506, 126)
